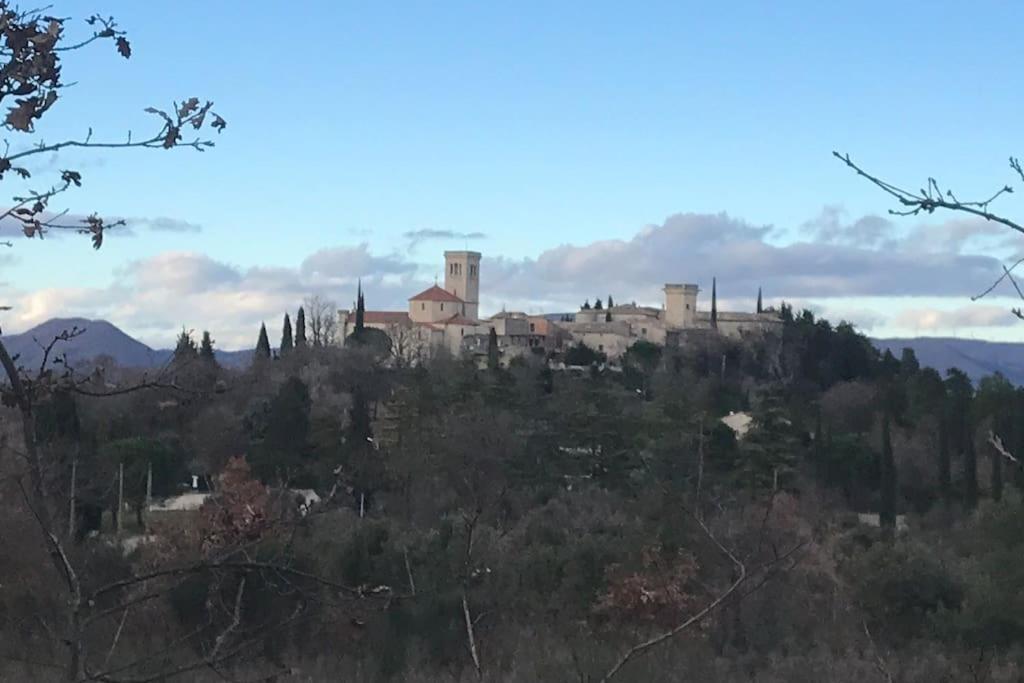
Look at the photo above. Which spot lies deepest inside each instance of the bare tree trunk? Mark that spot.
(36, 501)
(470, 636)
(120, 497)
(71, 496)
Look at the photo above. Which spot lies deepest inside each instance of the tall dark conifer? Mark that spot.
(263, 344)
(714, 303)
(945, 464)
(360, 311)
(492, 349)
(286, 336)
(887, 506)
(760, 307)
(206, 347)
(300, 329)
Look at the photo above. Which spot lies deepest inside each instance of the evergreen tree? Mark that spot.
(206, 347)
(492, 349)
(364, 464)
(263, 344)
(909, 364)
(970, 474)
(945, 465)
(961, 395)
(760, 308)
(286, 335)
(598, 305)
(300, 329)
(360, 312)
(586, 305)
(887, 469)
(185, 349)
(610, 303)
(714, 303)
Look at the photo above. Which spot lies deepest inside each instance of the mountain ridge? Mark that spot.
(97, 338)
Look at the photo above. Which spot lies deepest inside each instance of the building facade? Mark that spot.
(449, 317)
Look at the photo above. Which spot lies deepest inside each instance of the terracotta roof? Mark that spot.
(460, 320)
(383, 317)
(435, 293)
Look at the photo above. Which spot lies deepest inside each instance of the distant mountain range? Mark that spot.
(100, 338)
(976, 358)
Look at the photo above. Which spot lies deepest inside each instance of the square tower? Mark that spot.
(680, 305)
(462, 278)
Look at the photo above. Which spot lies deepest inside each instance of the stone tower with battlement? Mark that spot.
(681, 305)
(462, 278)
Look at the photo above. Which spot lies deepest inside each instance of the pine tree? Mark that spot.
(286, 336)
(610, 303)
(887, 505)
(714, 304)
(598, 305)
(206, 347)
(760, 308)
(492, 349)
(300, 329)
(185, 348)
(586, 305)
(263, 344)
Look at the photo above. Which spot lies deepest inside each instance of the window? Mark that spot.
(643, 331)
(533, 327)
(600, 347)
(472, 271)
(687, 306)
(423, 307)
(462, 332)
(442, 306)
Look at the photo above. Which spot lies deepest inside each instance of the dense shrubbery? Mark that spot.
(557, 515)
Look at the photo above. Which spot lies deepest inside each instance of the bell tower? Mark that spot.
(462, 278)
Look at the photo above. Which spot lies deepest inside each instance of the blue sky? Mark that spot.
(537, 124)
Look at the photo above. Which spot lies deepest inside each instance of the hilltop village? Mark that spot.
(449, 317)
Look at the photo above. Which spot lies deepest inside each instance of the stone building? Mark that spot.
(449, 317)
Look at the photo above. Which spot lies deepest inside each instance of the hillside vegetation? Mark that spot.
(524, 524)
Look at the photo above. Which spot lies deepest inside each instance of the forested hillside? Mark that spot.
(520, 523)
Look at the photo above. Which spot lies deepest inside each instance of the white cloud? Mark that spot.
(930, 320)
(154, 297)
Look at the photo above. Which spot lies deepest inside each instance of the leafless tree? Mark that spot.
(932, 197)
(321, 320)
(32, 46)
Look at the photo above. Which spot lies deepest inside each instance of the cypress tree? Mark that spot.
(206, 347)
(887, 506)
(263, 344)
(286, 335)
(610, 303)
(492, 350)
(945, 465)
(760, 308)
(300, 329)
(714, 304)
(970, 471)
(360, 311)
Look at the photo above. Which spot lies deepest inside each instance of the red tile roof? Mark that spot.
(435, 293)
(460, 320)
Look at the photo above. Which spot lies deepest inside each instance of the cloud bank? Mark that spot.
(831, 261)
